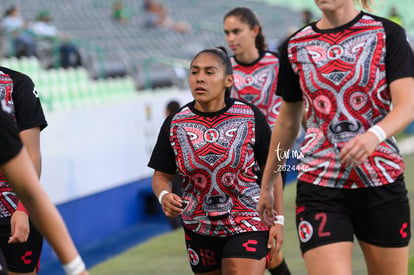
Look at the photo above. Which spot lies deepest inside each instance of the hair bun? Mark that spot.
(223, 49)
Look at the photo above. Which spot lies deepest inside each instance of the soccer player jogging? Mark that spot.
(255, 71)
(218, 145)
(355, 73)
(18, 169)
(255, 68)
(19, 239)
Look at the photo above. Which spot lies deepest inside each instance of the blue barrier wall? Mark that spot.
(95, 219)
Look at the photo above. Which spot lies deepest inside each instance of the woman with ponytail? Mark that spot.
(255, 70)
(218, 145)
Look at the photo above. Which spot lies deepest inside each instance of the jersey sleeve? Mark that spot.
(10, 143)
(288, 86)
(163, 157)
(28, 109)
(399, 58)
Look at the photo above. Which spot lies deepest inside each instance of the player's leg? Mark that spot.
(385, 260)
(243, 266)
(215, 272)
(277, 265)
(383, 228)
(334, 258)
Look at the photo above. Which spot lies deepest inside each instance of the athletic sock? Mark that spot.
(281, 269)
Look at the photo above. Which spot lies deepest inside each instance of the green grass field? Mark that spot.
(166, 254)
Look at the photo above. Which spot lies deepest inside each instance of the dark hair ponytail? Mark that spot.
(248, 16)
(221, 53)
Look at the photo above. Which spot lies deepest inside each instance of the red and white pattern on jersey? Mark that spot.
(8, 199)
(345, 89)
(215, 159)
(256, 84)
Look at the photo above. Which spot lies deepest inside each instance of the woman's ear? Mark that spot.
(256, 30)
(229, 80)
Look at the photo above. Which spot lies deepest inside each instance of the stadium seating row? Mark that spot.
(68, 89)
(110, 49)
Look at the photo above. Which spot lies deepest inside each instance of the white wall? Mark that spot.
(91, 150)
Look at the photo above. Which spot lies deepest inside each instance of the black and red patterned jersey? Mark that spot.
(343, 75)
(18, 94)
(217, 156)
(256, 83)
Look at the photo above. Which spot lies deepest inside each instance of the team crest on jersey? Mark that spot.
(5, 107)
(211, 135)
(305, 231)
(5, 100)
(335, 52)
(194, 258)
(248, 80)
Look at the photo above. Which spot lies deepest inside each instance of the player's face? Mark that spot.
(239, 36)
(208, 80)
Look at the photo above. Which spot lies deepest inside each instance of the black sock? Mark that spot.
(281, 269)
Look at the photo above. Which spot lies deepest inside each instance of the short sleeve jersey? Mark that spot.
(10, 143)
(217, 155)
(256, 83)
(343, 75)
(19, 96)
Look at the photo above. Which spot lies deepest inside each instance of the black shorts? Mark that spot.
(21, 257)
(3, 266)
(376, 215)
(205, 253)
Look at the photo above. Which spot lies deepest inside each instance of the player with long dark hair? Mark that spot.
(218, 145)
(255, 71)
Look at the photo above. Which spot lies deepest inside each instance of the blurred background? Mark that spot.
(104, 71)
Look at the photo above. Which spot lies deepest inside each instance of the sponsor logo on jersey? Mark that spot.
(250, 245)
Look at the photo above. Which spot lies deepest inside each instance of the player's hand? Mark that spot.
(172, 205)
(20, 227)
(275, 240)
(358, 149)
(265, 207)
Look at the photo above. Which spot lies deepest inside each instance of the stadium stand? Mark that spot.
(152, 57)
